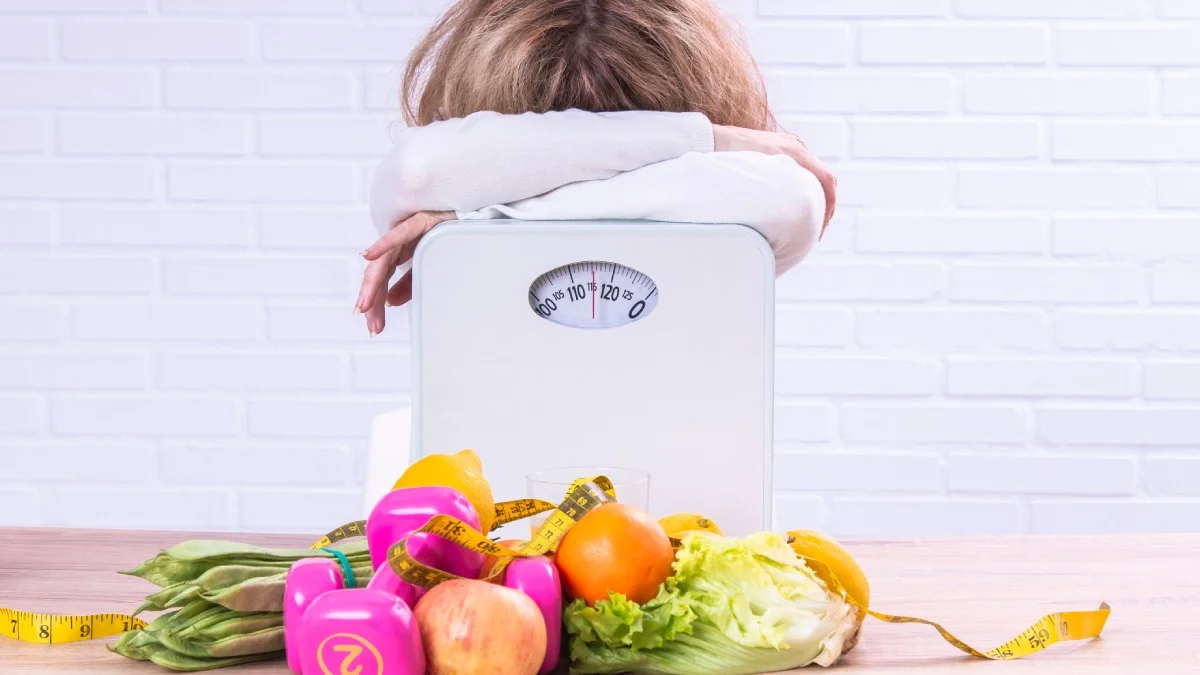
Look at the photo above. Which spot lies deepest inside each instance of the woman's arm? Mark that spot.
(407, 204)
(489, 158)
(771, 193)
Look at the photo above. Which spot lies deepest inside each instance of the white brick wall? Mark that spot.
(1000, 333)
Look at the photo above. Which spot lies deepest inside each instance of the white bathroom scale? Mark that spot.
(641, 345)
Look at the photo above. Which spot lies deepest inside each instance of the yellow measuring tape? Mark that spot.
(1048, 630)
(583, 496)
(52, 629)
(356, 529)
(506, 512)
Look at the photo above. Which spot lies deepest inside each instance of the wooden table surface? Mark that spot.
(984, 590)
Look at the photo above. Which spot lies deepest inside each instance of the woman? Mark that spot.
(585, 109)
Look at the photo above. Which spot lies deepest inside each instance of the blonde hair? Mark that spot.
(516, 56)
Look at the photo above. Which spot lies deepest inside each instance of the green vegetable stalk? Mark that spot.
(226, 602)
(733, 607)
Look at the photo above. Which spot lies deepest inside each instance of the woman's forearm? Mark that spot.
(770, 193)
(488, 158)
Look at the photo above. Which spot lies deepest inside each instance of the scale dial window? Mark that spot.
(593, 295)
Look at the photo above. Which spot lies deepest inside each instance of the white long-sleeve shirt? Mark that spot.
(576, 165)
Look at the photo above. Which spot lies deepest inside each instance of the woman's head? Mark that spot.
(515, 56)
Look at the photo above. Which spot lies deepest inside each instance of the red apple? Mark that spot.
(470, 627)
(490, 561)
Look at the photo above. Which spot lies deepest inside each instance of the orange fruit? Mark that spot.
(615, 548)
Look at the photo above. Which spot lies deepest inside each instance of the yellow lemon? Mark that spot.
(462, 471)
(679, 524)
(827, 551)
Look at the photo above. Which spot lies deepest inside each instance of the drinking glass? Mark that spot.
(631, 485)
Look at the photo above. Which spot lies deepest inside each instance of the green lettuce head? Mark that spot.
(733, 607)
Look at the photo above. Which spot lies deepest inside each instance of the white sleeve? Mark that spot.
(490, 158)
(771, 193)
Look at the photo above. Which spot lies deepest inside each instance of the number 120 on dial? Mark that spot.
(593, 295)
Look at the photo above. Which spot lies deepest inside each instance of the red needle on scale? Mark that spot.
(593, 294)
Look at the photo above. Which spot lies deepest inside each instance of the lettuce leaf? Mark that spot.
(732, 607)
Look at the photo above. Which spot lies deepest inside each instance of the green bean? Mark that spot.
(132, 645)
(179, 645)
(166, 658)
(176, 595)
(226, 576)
(200, 549)
(259, 642)
(162, 571)
(198, 613)
(232, 624)
(254, 595)
(225, 601)
(161, 621)
(202, 621)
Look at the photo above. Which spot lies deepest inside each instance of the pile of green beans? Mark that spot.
(225, 601)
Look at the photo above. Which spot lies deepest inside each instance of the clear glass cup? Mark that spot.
(631, 485)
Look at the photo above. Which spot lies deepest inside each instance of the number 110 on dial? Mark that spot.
(593, 295)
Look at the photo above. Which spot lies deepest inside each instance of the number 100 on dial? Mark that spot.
(593, 295)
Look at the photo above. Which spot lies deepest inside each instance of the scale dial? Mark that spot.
(593, 295)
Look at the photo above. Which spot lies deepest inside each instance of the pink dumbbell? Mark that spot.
(331, 629)
(307, 580)
(385, 580)
(402, 512)
(538, 578)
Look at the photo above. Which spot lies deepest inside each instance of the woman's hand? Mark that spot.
(729, 139)
(391, 250)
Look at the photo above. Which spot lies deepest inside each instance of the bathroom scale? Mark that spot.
(640, 345)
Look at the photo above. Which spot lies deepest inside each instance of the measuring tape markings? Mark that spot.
(519, 509)
(584, 496)
(1048, 630)
(60, 629)
(357, 528)
(505, 513)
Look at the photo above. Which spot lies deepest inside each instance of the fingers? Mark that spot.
(401, 291)
(406, 232)
(375, 279)
(828, 181)
(396, 237)
(375, 314)
(393, 248)
(786, 143)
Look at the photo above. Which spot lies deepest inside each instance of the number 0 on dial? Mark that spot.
(593, 295)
